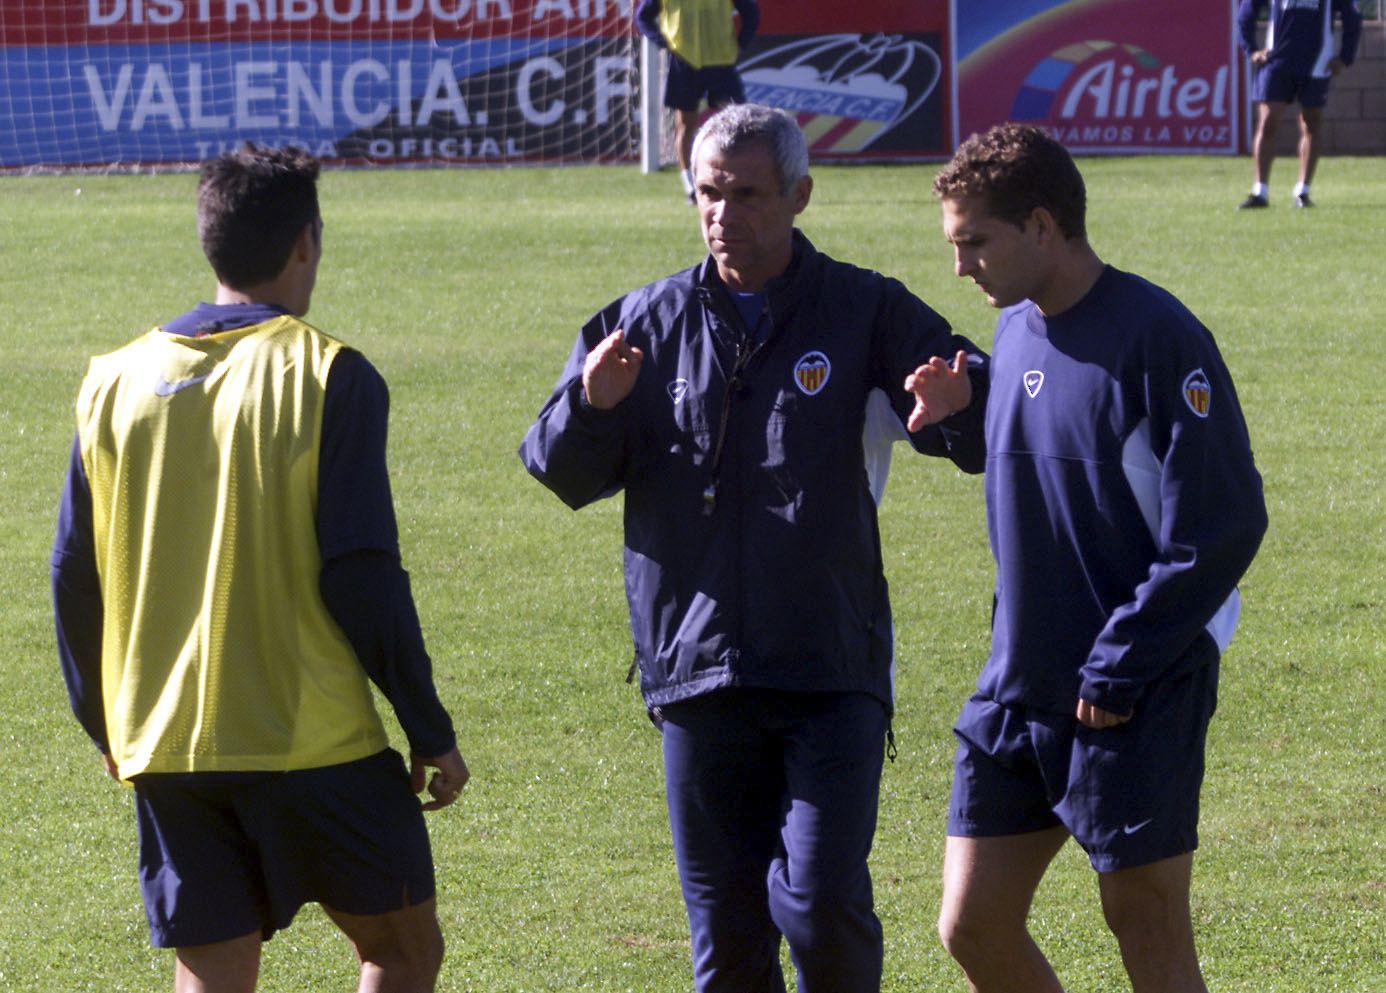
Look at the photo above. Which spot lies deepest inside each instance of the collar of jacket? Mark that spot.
(781, 292)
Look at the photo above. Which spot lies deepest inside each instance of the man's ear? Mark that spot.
(306, 245)
(1046, 228)
(801, 193)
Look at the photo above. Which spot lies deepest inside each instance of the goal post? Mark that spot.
(651, 115)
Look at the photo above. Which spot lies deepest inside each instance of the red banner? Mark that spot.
(862, 16)
(23, 22)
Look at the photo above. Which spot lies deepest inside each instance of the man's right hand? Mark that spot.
(1093, 716)
(1259, 57)
(610, 371)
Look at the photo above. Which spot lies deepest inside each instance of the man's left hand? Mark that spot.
(940, 390)
(445, 784)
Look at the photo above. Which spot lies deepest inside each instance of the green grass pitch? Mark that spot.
(466, 288)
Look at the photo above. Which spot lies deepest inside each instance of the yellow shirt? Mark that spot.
(217, 650)
(701, 32)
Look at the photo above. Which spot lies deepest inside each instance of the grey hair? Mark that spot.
(740, 123)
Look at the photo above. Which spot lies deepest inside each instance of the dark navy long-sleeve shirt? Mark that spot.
(362, 582)
(1123, 503)
(1300, 34)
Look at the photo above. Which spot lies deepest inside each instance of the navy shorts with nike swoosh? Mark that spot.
(1127, 794)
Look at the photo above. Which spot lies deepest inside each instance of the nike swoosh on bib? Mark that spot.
(163, 388)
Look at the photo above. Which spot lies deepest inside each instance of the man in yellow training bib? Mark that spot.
(227, 583)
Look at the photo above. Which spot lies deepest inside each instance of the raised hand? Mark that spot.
(939, 389)
(610, 371)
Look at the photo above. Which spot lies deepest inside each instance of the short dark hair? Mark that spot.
(1013, 169)
(252, 203)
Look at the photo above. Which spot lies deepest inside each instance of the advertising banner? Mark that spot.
(379, 81)
(157, 82)
(868, 80)
(1103, 76)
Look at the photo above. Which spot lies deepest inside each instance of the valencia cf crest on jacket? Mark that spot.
(1198, 392)
(811, 372)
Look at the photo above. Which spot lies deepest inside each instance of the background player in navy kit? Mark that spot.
(1296, 64)
(1123, 506)
(226, 576)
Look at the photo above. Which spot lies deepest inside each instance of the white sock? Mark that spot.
(1300, 188)
(1259, 189)
(687, 176)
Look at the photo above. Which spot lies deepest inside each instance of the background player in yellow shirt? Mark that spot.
(704, 44)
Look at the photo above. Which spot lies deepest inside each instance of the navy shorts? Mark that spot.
(685, 86)
(1127, 794)
(224, 854)
(1276, 84)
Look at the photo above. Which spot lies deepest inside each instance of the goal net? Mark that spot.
(133, 84)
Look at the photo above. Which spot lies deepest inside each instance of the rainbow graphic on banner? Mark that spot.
(1035, 99)
(1101, 76)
